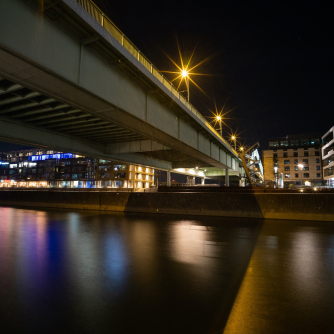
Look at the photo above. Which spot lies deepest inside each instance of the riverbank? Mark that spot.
(251, 205)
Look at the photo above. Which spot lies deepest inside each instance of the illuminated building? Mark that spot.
(281, 160)
(47, 168)
(328, 157)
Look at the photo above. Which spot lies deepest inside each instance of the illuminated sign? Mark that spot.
(4, 163)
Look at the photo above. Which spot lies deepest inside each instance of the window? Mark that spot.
(285, 155)
(296, 175)
(286, 168)
(306, 154)
(317, 167)
(318, 174)
(119, 175)
(273, 143)
(317, 160)
(316, 153)
(275, 155)
(296, 167)
(315, 141)
(305, 168)
(294, 142)
(287, 176)
(295, 154)
(296, 161)
(305, 161)
(119, 167)
(306, 175)
(284, 143)
(286, 162)
(304, 142)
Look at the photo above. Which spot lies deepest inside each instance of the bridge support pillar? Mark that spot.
(203, 180)
(168, 179)
(227, 178)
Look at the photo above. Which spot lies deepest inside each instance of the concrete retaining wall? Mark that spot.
(277, 206)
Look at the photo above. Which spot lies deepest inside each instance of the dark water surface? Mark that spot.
(93, 272)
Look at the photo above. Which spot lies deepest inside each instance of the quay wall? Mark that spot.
(296, 206)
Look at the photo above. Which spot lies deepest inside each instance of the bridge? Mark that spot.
(70, 80)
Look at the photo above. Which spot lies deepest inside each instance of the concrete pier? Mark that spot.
(249, 205)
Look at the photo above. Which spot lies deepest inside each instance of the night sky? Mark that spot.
(271, 61)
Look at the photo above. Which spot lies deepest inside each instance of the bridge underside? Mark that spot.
(101, 104)
(22, 106)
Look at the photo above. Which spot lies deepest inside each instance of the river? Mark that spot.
(93, 272)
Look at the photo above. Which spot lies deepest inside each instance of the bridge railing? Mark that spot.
(107, 24)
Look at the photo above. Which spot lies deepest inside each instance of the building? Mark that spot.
(293, 160)
(328, 157)
(47, 168)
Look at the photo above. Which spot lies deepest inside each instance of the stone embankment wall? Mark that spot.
(277, 206)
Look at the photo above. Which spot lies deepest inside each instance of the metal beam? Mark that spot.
(18, 98)
(26, 105)
(55, 115)
(108, 133)
(9, 89)
(77, 114)
(38, 111)
(66, 125)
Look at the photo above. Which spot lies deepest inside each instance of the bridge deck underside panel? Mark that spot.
(30, 107)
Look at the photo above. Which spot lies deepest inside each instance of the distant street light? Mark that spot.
(301, 173)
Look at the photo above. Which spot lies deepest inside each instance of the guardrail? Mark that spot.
(113, 30)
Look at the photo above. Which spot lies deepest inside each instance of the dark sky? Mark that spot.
(271, 60)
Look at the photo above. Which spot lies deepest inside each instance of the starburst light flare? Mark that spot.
(185, 71)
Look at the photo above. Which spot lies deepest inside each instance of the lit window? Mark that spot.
(287, 176)
(286, 162)
(284, 143)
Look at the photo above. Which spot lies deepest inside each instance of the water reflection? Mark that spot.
(87, 272)
(289, 283)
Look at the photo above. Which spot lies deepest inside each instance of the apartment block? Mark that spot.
(328, 157)
(293, 160)
(47, 168)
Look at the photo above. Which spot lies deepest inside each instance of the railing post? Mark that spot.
(102, 20)
(152, 68)
(138, 55)
(123, 40)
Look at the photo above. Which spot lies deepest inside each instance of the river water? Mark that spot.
(93, 272)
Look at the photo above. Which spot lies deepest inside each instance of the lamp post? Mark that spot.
(219, 119)
(235, 142)
(301, 173)
(186, 77)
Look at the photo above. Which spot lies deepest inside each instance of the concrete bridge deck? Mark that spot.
(66, 83)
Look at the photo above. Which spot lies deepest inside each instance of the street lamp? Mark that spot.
(235, 142)
(219, 119)
(186, 77)
(301, 173)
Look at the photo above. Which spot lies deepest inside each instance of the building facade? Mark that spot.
(327, 153)
(47, 168)
(293, 160)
